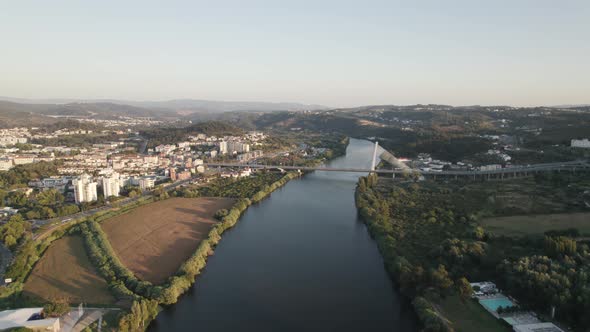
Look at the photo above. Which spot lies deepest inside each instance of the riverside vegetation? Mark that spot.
(142, 296)
(29, 251)
(432, 242)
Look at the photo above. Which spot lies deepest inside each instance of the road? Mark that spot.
(510, 170)
(60, 221)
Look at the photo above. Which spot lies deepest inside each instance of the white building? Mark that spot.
(249, 156)
(84, 189)
(536, 327)
(183, 145)
(223, 147)
(153, 159)
(5, 164)
(54, 182)
(22, 318)
(232, 147)
(23, 159)
(11, 140)
(146, 183)
(238, 147)
(581, 143)
(111, 185)
(166, 149)
(7, 211)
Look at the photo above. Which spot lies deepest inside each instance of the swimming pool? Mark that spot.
(494, 304)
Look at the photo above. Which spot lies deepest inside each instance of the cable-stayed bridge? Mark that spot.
(402, 169)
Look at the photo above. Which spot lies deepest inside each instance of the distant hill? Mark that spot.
(180, 106)
(160, 135)
(571, 106)
(32, 114)
(35, 112)
(13, 114)
(224, 106)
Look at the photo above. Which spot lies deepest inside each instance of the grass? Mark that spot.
(469, 316)
(155, 239)
(65, 272)
(537, 224)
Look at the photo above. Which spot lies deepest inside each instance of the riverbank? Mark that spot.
(433, 245)
(412, 278)
(121, 281)
(298, 261)
(127, 285)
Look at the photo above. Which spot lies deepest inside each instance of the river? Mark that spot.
(300, 260)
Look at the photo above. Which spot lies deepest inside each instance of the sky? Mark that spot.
(335, 53)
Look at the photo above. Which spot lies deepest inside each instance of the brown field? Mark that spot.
(155, 239)
(537, 224)
(64, 272)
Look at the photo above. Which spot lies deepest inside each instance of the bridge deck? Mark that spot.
(509, 170)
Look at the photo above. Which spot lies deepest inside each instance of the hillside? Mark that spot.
(17, 114)
(178, 105)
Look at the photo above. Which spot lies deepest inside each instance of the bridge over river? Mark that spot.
(570, 166)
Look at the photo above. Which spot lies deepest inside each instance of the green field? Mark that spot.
(470, 316)
(537, 224)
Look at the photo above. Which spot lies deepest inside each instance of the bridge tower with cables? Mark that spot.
(374, 161)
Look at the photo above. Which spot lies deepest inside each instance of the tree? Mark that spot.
(33, 214)
(221, 213)
(9, 241)
(17, 198)
(47, 212)
(55, 309)
(142, 312)
(3, 195)
(50, 197)
(362, 186)
(68, 209)
(465, 289)
(479, 233)
(14, 230)
(440, 278)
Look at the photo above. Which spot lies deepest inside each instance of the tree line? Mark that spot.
(125, 285)
(430, 240)
(121, 281)
(411, 226)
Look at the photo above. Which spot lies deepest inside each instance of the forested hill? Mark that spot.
(157, 136)
(537, 134)
(16, 114)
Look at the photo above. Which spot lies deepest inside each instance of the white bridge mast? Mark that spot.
(374, 162)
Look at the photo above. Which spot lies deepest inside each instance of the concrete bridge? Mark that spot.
(497, 173)
(570, 166)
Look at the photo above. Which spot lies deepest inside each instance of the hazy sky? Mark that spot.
(336, 53)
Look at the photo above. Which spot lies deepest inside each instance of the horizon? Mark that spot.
(65, 101)
(527, 53)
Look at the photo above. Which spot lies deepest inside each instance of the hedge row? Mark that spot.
(123, 281)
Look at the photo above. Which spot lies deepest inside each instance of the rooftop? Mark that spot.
(20, 317)
(538, 327)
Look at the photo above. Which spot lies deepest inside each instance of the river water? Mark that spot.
(300, 260)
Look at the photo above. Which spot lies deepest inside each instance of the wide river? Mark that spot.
(301, 260)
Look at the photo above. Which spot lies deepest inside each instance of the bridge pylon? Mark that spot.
(374, 161)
